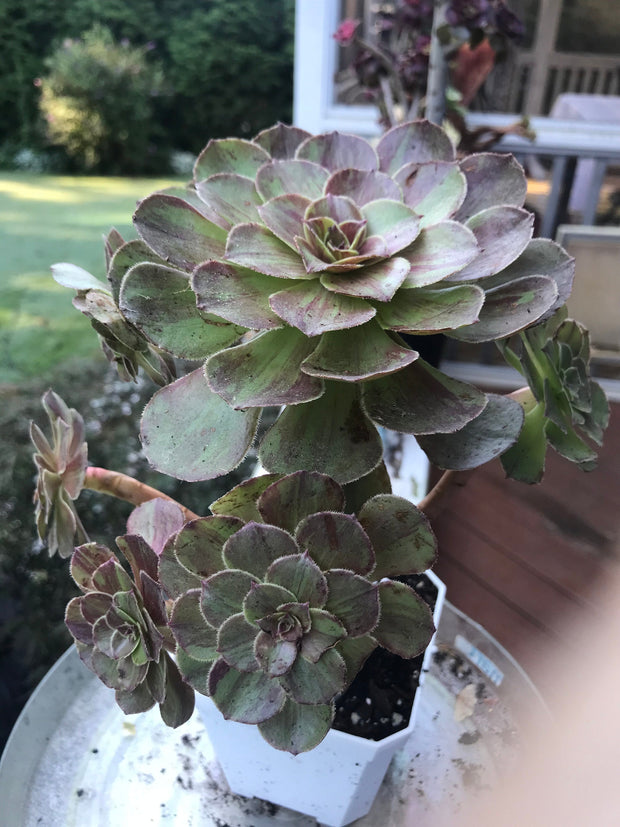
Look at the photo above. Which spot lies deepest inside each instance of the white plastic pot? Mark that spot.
(335, 783)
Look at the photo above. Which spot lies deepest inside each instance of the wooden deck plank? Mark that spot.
(524, 561)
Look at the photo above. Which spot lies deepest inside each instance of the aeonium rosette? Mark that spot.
(292, 265)
(280, 597)
(120, 623)
(61, 465)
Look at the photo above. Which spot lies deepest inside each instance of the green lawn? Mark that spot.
(44, 220)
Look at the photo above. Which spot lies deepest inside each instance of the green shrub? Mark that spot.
(231, 69)
(97, 100)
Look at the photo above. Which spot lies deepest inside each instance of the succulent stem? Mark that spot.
(126, 488)
(434, 502)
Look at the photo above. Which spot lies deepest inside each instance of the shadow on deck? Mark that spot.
(526, 561)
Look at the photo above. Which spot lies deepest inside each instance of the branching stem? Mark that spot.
(126, 488)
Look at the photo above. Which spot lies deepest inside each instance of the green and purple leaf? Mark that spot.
(335, 150)
(224, 593)
(336, 541)
(492, 179)
(190, 630)
(233, 155)
(256, 546)
(426, 310)
(178, 232)
(247, 697)
(241, 501)
(401, 536)
(235, 293)
(363, 185)
(434, 190)
(229, 199)
(331, 435)
(264, 371)
(418, 142)
(191, 433)
(439, 251)
(378, 281)
(297, 727)
(316, 683)
(159, 301)
(502, 233)
(198, 546)
(422, 400)
(314, 309)
(300, 575)
(487, 436)
(353, 600)
(364, 352)
(255, 247)
(288, 501)
(236, 643)
(406, 624)
(289, 176)
(510, 308)
(281, 140)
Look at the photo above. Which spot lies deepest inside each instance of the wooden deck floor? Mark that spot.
(525, 561)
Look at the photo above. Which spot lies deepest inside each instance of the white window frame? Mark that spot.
(316, 60)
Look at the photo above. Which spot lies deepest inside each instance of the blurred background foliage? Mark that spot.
(117, 87)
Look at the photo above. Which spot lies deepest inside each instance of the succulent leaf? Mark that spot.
(235, 293)
(401, 536)
(364, 352)
(159, 301)
(224, 594)
(177, 231)
(274, 381)
(190, 432)
(155, 521)
(434, 190)
(422, 400)
(482, 439)
(191, 631)
(316, 683)
(353, 600)
(301, 576)
(336, 541)
(297, 727)
(230, 155)
(315, 309)
(241, 501)
(417, 142)
(256, 546)
(330, 435)
(236, 639)
(247, 697)
(406, 623)
(491, 179)
(288, 500)
(198, 545)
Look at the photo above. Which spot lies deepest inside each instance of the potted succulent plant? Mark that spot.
(282, 278)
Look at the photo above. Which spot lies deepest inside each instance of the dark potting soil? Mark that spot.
(379, 701)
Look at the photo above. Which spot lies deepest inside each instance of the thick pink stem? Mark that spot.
(126, 488)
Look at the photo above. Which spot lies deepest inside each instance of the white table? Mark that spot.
(591, 109)
(567, 142)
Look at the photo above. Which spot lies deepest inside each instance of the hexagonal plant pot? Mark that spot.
(335, 783)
